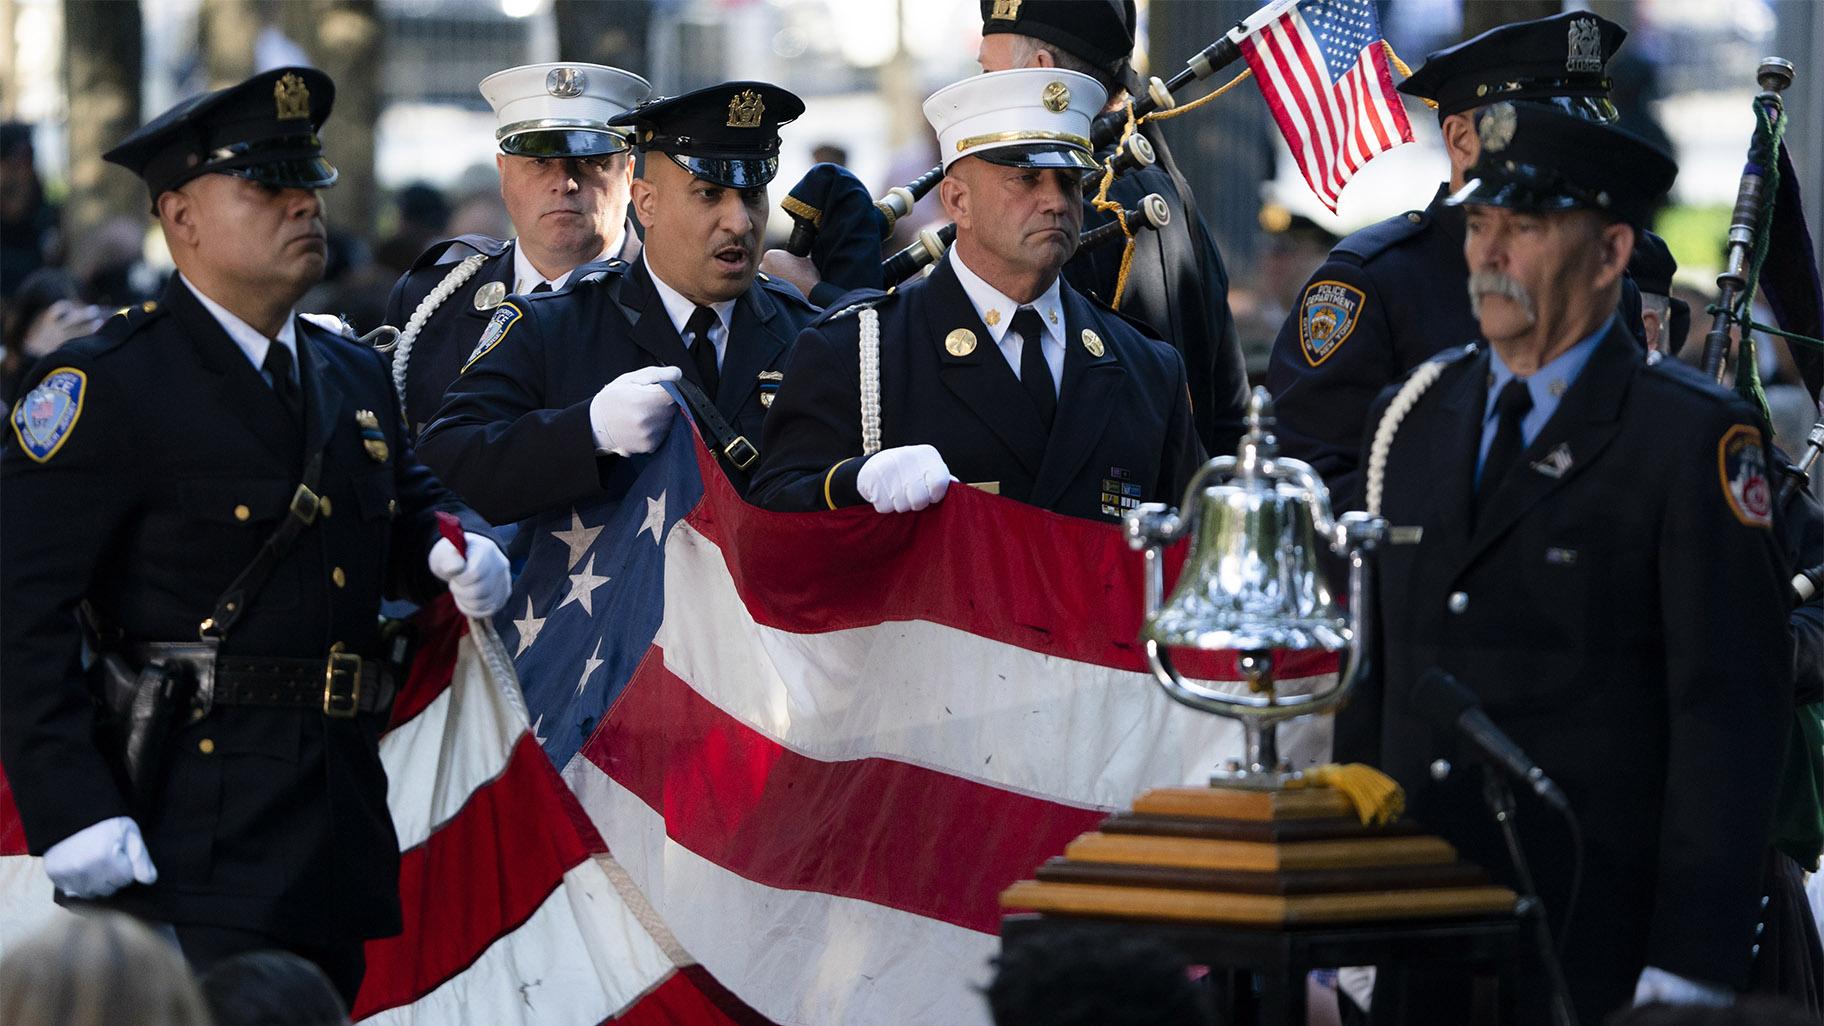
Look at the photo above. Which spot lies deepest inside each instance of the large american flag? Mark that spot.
(1323, 70)
(804, 753)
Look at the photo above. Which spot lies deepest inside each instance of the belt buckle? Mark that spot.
(741, 452)
(342, 705)
(304, 505)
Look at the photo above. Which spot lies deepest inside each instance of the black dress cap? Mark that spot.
(1098, 31)
(264, 129)
(727, 134)
(1562, 60)
(1541, 159)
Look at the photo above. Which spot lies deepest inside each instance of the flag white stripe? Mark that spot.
(933, 696)
(1296, 90)
(1324, 94)
(25, 899)
(438, 759)
(800, 958)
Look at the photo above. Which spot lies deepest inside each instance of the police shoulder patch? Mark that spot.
(505, 316)
(1326, 317)
(1741, 464)
(44, 417)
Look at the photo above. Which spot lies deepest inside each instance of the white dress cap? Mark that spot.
(1027, 117)
(562, 109)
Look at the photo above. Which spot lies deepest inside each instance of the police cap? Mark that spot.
(264, 129)
(562, 109)
(1652, 265)
(1100, 32)
(727, 134)
(1562, 60)
(1541, 159)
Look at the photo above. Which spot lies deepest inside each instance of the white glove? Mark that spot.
(479, 584)
(632, 413)
(1656, 986)
(100, 859)
(903, 479)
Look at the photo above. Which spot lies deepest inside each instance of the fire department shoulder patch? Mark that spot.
(1741, 463)
(1326, 318)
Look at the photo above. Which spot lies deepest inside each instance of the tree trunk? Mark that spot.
(604, 33)
(102, 63)
(1481, 15)
(343, 38)
(227, 29)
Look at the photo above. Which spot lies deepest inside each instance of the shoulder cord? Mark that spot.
(870, 381)
(1402, 404)
(402, 349)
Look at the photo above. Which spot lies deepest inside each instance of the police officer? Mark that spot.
(1177, 284)
(1392, 295)
(536, 421)
(1591, 553)
(993, 370)
(565, 175)
(212, 469)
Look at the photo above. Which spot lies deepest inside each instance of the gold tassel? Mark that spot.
(1378, 800)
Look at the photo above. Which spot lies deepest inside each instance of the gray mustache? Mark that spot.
(1494, 283)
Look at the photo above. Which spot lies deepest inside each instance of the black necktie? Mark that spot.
(702, 350)
(1035, 373)
(277, 369)
(1511, 407)
(543, 286)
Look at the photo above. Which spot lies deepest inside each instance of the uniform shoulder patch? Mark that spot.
(1741, 464)
(44, 417)
(505, 316)
(1326, 317)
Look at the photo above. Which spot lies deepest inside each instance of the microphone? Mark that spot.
(1443, 701)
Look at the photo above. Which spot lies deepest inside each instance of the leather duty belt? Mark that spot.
(340, 686)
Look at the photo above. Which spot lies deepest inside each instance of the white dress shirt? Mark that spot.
(252, 341)
(997, 311)
(526, 277)
(680, 310)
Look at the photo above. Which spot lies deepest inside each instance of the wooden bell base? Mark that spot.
(1259, 858)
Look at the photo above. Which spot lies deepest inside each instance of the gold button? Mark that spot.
(392, 507)
(323, 505)
(206, 746)
(339, 577)
(241, 513)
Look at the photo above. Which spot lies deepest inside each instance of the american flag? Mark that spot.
(804, 754)
(1323, 70)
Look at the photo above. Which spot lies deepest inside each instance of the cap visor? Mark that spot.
(733, 172)
(302, 172)
(563, 143)
(1526, 194)
(1037, 155)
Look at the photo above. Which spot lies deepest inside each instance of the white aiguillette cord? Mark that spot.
(402, 348)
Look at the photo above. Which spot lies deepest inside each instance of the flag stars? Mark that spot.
(528, 629)
(582, 588)
(577, 539)
(590, 665)
(655, 520)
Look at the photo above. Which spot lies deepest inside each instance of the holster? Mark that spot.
(145, 693)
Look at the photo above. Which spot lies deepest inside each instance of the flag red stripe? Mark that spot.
(872, 829)
(1388, 95)
(1318, 177)
(12, 828)
(433, 662)
(812, 574)
(1260, 63)
(477, 878)
(1364, 84)
(689, 997)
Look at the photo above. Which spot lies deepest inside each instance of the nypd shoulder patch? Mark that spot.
(1326, 318)
(1741, 464)
(505, 316)
(45, 416)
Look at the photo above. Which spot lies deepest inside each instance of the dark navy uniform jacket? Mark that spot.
(1122, 434)
(179, 464)
(450, 332)
(513, 435)
(1180, 289)
(1620, 608)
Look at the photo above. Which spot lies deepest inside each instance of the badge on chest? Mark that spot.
(372, 438)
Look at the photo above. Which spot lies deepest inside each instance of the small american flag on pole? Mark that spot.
(1323, 70)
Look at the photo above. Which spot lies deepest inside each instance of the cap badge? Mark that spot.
(1585, 47)
(1005, 10)
(489, 296)
(565, 83)
(744, 109)
(960, 342)
(1056, 97)
(1496, 129)
(292, 98)
(1092, 342)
